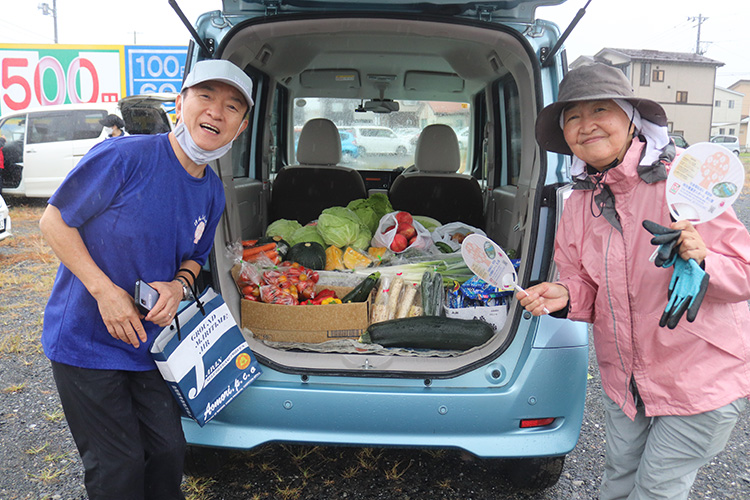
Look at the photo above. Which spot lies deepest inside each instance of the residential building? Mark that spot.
(743, 86)
(683, 83)
(727, 112)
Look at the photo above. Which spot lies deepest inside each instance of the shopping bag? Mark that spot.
(204, 358)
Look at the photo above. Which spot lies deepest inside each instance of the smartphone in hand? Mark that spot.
(145, 297)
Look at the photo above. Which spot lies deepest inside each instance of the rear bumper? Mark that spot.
(464, 412)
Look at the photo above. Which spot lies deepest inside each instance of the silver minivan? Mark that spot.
(731, 142)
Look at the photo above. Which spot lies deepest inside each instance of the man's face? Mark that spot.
(213, 113)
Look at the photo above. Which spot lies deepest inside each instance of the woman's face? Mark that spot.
(597, 131)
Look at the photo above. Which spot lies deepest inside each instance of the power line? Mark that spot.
(21, 28)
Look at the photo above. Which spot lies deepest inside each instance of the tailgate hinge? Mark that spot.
(272, 7)
(484, 12)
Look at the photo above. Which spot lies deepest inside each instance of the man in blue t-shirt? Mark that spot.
(135, 208)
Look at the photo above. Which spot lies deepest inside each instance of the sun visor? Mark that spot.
(427, 80)
(330, 79)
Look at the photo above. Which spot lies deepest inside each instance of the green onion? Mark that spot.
(451, 266)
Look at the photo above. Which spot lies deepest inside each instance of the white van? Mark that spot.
(44, 144)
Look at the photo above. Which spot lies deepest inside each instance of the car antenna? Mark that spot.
(206, 49)
(548, 58)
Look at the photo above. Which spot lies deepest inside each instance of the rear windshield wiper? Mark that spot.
(548, 58)
(202, 43)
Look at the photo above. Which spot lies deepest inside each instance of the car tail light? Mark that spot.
(535, 422)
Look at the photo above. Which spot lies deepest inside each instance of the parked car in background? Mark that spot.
(518, 396)
(378, 140)
(731, 142)
(44, 144)
(349, 149)
(679, 140)
(5, 225)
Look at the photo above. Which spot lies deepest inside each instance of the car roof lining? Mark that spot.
(285, 50)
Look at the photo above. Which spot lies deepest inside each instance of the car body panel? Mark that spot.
(462, 412)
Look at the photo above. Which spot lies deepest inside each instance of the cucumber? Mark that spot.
(429, 332)
(361, 292)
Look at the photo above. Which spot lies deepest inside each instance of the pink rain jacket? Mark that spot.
(696, 367)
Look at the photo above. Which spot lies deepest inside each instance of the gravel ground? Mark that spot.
(38, 459)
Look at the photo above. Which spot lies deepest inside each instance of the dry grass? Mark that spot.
(27, 272)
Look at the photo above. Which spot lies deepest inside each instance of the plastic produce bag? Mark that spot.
(453, 234)
(384, 235)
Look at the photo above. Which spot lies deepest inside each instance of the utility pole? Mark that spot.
(700, 20)
(47, 10)
(134, 36)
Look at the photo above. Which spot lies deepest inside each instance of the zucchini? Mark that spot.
(429, 332)
(361, 292)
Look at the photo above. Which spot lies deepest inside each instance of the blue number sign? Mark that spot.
(154, 69)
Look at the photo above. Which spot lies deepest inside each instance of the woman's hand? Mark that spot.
(691, 244)
(170, 296)
(550, 295)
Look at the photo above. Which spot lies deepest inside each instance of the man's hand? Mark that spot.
(170, 295)
(120, 315)
(550, 295)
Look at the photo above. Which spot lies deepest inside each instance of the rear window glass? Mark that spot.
(65, 126)
(384, 141)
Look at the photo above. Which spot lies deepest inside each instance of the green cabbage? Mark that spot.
(306, 234)
(370, 210)
(341, 227)
(284, 228)
(363, 239)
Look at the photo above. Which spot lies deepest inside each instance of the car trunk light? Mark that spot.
(535, 422)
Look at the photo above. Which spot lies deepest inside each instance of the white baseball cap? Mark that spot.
(223, 71)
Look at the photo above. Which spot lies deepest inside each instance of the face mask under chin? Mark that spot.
(196, 153)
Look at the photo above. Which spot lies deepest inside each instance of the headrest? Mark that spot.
(437, 150)
(319, 143)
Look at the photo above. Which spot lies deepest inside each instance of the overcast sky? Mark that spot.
(633, 24)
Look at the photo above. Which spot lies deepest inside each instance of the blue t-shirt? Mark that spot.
(140, 215)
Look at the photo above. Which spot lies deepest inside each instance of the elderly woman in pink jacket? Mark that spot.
(672, 395)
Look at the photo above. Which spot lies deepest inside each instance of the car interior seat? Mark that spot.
(434, 188)
(300, 192)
